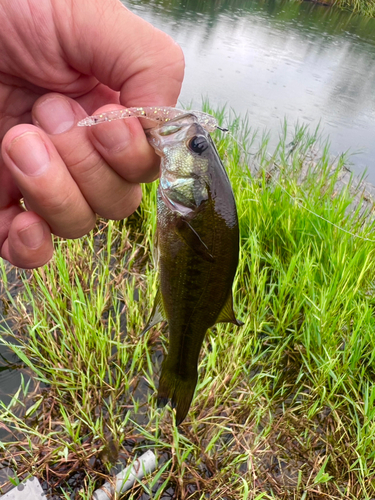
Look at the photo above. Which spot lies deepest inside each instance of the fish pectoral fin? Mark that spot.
(227, 313)
(193, 240)
(157, 314)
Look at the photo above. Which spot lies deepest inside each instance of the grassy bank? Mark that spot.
(364, 7)
(284, 406)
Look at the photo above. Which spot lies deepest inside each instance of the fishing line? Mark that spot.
(296, 200)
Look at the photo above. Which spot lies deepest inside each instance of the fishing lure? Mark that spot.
(153, 113)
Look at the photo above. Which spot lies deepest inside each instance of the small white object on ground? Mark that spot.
(125, 479)
(27, 490)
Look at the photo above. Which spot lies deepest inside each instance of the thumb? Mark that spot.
(102, 38)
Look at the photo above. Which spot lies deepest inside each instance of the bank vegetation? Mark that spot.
(284, 407)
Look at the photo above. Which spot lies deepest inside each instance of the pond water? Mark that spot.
(11, 368)
(278, 59)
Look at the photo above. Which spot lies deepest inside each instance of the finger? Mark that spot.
(97, 97)
(25, 240)
(107, 170)
(121, 50)
(45, 183)
(122, 143)
(124, 146)
(29, 242)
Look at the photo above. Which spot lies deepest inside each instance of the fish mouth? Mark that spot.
(172, 132)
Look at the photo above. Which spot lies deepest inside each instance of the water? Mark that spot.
(278, 59)
(12, 370)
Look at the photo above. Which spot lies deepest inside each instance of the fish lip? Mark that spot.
(189, 127)
(153, 140)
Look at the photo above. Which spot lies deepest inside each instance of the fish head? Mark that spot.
(185, 148)
(191, 169)
(180, 131)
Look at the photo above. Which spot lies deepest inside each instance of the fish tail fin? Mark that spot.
(179, 389)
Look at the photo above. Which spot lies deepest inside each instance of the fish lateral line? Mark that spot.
(156, 114)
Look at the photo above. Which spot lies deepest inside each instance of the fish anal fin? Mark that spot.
(179, 390)
(193, 240)
(227, 313)
(157, 314)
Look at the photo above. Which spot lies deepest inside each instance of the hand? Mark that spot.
(62, 60)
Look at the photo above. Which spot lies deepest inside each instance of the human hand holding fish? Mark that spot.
(98, 52)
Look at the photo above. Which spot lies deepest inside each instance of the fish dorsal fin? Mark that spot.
(157, 314)
(193, 240)
(227, 313)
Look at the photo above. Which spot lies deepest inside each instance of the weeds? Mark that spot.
(284, 406)
(363, 7)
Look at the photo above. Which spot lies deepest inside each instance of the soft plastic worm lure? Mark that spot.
(155, 114)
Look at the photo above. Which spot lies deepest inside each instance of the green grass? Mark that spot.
(364, 7)
(284, 406)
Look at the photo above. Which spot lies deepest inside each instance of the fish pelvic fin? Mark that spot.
(178, 389)
(227, 314)
(157, 313)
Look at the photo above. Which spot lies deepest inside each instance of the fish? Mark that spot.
(197, 241)
(197, 251)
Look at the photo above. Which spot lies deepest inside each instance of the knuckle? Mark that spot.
(67, 213)
(81, 227)
(124, 205)
(84, 164)
(57, 205)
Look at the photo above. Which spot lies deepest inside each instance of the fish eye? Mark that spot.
(169, 129)
(198, 144)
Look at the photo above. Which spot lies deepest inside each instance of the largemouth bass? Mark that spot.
(198, 241)
(197, 248)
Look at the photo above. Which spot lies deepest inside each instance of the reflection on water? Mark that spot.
(277, 59)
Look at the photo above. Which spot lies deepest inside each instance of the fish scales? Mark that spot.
(197, 247)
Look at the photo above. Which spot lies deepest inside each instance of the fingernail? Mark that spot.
(55, 115)
(29, 153)
(114, 137)
(32, 236)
